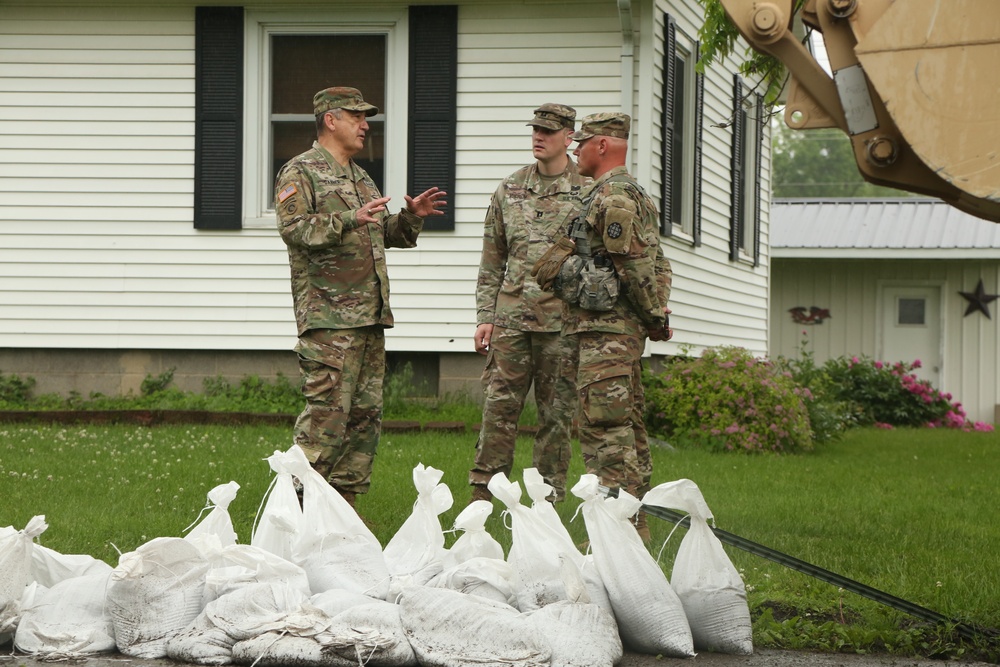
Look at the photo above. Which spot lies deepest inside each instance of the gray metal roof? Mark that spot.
(897, 228)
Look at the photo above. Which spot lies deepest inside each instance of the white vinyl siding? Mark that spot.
(97, 245)
(714, 301)
(96, 179)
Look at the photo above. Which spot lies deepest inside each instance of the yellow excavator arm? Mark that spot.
(915, 85)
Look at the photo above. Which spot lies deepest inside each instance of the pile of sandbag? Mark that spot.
(315, 587)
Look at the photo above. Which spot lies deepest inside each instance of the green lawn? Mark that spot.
(914, 513)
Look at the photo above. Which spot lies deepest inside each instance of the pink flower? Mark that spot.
(916, 363)
(887, 427)
(878, 365)
(983, 426)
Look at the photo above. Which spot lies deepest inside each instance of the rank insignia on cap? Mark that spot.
(286, 193)
(614, 230)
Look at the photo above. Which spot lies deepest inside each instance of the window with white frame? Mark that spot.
(292, 58)
(682, 101)
(747, 125)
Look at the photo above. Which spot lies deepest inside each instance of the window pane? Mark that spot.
(677, 149)
(911, 311)
(304, 64)
(301, 65)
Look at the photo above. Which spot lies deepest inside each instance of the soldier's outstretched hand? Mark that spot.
(428, 202)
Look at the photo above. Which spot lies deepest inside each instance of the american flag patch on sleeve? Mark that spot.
(286, 193)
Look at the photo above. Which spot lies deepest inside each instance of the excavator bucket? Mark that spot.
(914, 87)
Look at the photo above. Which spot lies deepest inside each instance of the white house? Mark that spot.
(139, 142)
(896, 280)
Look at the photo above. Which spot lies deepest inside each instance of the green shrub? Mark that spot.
(728, 400)
(15, 391)
(829, 415)
(888, 395)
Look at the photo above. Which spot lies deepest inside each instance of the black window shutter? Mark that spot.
(667, 124)
(218, 134)
(759, 119)
(433, 105)
(738, 187)
(699, 117)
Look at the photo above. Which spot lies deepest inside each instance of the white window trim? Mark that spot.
(685, 50)
(260, 25)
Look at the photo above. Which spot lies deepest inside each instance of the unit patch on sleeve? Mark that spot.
(614, 230)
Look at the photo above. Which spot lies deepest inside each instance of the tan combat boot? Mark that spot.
(480, 492)
(641, 527)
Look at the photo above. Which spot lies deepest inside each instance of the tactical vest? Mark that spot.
(583, 279)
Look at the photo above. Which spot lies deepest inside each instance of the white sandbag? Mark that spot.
(241, 564)
(705, 580)
(278, 524)
(276, 649)
(649, 614)
(540, 557)
(579, 635)
(154, 593)
(69, 619)
(334, 546)
(490, 578)
(475, 541)
(49, 567)
(310, 637)
(594, 591)
(448, 629)
(334, 601)
(246, 612)
(382, 618)
(414, 554)
(215, 531)
(16, 547)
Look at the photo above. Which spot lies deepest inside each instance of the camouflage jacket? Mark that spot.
(339, 278)
(622, 223)
(523, 222)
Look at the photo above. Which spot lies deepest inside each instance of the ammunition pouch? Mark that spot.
(589, 282)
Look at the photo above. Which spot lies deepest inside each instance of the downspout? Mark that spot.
(628, 61)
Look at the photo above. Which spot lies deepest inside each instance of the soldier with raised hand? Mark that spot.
(618, 230)
(335, 224)
(518, 324)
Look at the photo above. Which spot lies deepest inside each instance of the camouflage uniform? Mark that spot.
(621, 224)
(524, 218)
(340, 290)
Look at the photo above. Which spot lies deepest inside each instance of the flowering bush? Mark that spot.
(728, 400)
(887, 395)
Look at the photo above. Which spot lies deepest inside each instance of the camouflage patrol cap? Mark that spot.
(554, 117)
(341, 97)
(606, 124)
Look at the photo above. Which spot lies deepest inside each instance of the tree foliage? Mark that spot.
(718, 39)
(818, 163)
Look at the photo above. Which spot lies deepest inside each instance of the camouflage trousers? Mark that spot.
(613, 436)
(516, 360)
(342, 373)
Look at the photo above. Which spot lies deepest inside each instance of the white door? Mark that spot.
(911, 328)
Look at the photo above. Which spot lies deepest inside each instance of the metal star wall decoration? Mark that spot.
(979, 300)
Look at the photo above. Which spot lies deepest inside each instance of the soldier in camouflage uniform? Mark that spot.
(335, 223)
(621, 226)
(519, 324)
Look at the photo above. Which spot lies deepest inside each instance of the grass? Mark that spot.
(910, 512)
